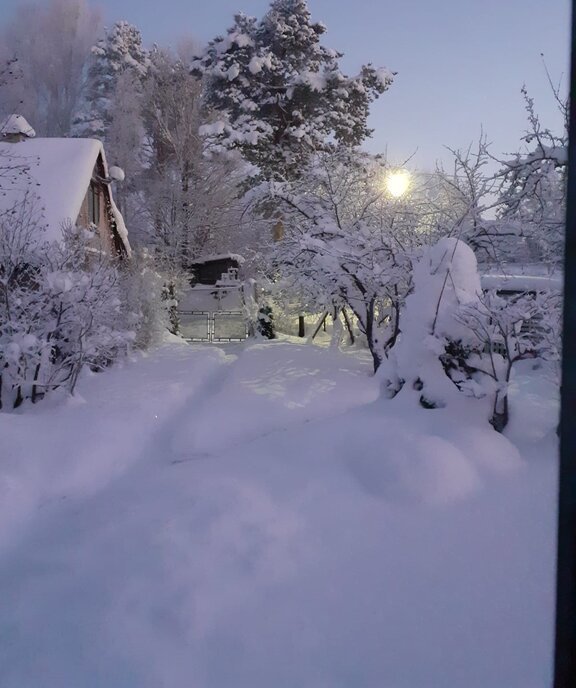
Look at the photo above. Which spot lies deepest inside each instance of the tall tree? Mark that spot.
(52, 44)
(280, 94)
(124, 142)
(189, 200)
(347, 244)
(119, 52)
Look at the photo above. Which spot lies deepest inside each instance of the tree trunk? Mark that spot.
(500, 414)
(319, 326)
(370, 336)
(348, 326)
(301, 326)
(336, 330)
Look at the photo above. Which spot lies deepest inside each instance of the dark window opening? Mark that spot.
(93, 204)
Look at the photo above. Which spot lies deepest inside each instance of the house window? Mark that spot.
(93, 204)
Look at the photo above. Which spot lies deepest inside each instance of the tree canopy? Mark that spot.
(280, 94)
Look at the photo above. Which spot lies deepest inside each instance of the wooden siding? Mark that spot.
(103, 233)
(106, 237)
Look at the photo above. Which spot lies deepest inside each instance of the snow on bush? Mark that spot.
(457, 340)
(147, 313)
(445, 278)
(345, 245)
(60, 309)
(512, 328)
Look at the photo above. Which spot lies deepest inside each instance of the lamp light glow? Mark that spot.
(397, 183)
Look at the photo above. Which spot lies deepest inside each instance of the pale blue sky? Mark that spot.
(460, 63)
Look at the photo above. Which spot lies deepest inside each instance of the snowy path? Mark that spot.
(257, 517)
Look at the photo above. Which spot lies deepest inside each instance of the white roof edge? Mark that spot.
(220, 256)
(553, 282)
(59, 171)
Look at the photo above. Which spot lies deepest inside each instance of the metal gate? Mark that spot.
(217, 326)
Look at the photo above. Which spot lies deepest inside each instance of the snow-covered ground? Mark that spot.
(255, 516)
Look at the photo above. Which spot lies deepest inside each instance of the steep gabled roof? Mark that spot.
(55, 173)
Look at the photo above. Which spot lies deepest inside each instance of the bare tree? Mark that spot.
(191, 201)
(52, 44)
(346, 243)
(510, 329)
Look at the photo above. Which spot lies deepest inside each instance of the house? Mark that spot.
(67, 180)
(215, 268)
(212, 307)
(511, 280)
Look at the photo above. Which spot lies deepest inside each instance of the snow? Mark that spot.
(120, 226)
(233, 71)
(256, 515)
(523, 278)
(385, 75)
(59, 173)
(257, 63)
(16, 124)
(116, 173)
(315, 80)
(57, 176)
(212, 129)
(205, 297)
(219, 256)
(445, 277)
(233, 38)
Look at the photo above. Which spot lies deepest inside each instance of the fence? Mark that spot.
(217, 326)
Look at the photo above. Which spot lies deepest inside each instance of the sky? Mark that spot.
(460, 63)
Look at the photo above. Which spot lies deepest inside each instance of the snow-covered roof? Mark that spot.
(16, 124)
(56, 173)
(510, 277)
(220, 256)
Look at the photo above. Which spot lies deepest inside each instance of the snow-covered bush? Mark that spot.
(511, 328)
(146, 311)
(456, 339)
(428, 353)
(60, 309)
(266, 322)
(533, 185)
(346, 244)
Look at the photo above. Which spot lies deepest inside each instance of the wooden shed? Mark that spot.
(212, 269)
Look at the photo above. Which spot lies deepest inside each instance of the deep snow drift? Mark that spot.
(256, 516)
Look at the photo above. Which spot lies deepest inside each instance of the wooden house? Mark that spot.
(66, 180)
(213, 269)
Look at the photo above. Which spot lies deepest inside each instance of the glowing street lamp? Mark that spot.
(397, 183)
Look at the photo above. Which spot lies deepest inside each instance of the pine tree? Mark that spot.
(119, 51)
(280, 94)
(266, 322)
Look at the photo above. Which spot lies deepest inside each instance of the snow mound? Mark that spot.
(320, 538)
(417, 468)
